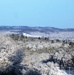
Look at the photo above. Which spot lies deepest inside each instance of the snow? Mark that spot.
(31, 35)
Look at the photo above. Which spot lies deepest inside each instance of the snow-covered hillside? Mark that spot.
(35, 34)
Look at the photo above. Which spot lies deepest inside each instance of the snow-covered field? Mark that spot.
(52, 35)
(21, 57)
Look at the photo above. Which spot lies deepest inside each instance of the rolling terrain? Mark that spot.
(40, 51)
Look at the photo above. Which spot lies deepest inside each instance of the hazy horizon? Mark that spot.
(37, 26)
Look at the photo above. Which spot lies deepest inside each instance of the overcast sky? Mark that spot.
(53, 13)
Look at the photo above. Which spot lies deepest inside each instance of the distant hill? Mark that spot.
(27, 29)
(40, 31)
